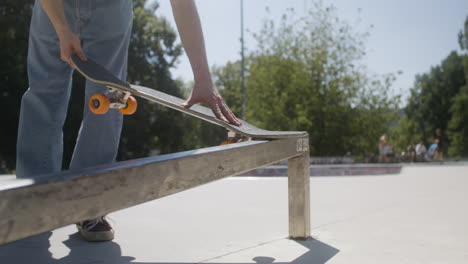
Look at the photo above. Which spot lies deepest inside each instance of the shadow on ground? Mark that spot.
(36, 250)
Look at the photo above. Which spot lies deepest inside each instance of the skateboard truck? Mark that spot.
(234, 137)
(114, 98)
(119, 98)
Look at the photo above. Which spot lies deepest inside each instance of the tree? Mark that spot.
(228, 80)
(439, 100)
(15, 17)
(153, 52)
(458, 124)
(430, 105)
(463, 36)
(435, 91)
(404, 133)
(305, 74)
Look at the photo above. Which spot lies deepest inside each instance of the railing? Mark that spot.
(30, 207)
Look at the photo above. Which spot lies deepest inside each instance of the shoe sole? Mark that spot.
(96, 236)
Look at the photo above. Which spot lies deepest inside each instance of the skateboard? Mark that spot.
(120, 95)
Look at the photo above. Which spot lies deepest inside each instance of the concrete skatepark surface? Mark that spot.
(416, 216)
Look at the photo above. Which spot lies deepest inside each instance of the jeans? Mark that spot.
(104, 27)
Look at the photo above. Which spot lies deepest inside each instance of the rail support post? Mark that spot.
(299, 192)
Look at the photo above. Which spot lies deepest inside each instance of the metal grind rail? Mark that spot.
(30, 207)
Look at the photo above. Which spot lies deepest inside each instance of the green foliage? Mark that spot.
(15, 17)
(439, 100)
(153, 52)
(228, 80)
(430, 105)
(306, 75)
(434, 91)
(463, 36)
(458, 125)
(404, 133)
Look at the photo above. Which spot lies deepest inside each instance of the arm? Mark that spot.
(69, 42)
(189, 27)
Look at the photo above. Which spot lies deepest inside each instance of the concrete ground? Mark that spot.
(417, 216)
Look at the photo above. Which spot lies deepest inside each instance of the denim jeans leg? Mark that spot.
(106, 37)
(44, 104)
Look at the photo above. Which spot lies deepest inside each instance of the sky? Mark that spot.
(407, 35)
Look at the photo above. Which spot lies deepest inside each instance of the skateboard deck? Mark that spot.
(98, 74)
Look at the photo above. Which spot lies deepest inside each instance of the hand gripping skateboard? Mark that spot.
(120, 95)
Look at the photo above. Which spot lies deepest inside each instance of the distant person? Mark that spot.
(421, 151)
(441, 145)
(433, 151)
(389, 153)
(382, 144)
(411, 152)
(386, 153)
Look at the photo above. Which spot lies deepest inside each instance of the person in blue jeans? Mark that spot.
(98, 29)
(433, 151)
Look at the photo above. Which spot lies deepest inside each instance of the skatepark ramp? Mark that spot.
(29, 207)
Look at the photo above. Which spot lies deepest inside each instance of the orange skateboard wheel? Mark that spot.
(131, 106)
(99, 104)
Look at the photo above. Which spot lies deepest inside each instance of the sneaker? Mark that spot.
(96, 230)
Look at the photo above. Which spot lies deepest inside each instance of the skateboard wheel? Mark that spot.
(227, 142)
(131, 106)
(99, 104)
